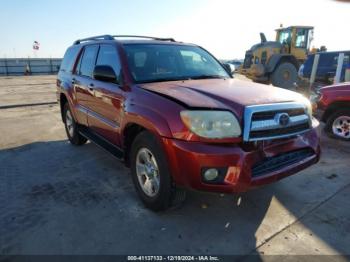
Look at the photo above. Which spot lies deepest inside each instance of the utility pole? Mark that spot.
(339, 68)
(314, 70)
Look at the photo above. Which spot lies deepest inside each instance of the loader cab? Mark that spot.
(296, 40)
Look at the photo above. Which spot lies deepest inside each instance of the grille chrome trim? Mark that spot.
(261, 125)
(273, 123)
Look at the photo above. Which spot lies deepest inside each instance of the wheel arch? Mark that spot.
(130, 132)
(333, 107)
(142, 119)
(63, 101)
(278, 59)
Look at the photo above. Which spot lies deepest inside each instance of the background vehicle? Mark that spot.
(333, 108)
(327, 66)
(173, 113)
(235, 64)
(277, 62)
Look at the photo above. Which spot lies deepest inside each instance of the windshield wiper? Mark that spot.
(181, 78)
(207, 77)
(164, 80)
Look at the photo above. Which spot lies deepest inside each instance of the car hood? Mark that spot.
(221, 93)
(337, 87)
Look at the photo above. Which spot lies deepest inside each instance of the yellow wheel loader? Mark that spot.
(277, 62)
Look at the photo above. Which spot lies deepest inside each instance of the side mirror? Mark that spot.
(105, 73)
(229, 69)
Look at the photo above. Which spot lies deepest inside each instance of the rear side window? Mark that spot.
(108, 55)
(87, 62)
(69, 59)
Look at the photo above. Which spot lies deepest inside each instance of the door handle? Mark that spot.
(91, 87)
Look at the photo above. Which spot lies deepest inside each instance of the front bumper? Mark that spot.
(188, 159)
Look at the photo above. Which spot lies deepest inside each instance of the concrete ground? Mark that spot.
(59, 199)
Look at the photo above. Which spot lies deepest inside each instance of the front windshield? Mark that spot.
(167, 62)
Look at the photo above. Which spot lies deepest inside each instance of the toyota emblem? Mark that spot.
(283, 119)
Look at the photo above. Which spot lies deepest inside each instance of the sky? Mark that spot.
(226, 28)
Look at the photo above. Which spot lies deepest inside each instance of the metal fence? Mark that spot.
(29, 66)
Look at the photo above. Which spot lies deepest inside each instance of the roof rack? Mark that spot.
(94, 38)
(145, 37)
(112, 37)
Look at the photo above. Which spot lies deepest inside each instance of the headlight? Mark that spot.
(212, 124)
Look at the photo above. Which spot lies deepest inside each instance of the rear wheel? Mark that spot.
(151, 174)
(71, 127)
(285, 76)
(338, 125)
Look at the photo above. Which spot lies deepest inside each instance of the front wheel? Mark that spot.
(71, 127)
(338, 125)
(151, 174)
(285, 76)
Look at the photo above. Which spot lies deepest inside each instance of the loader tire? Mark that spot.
(285, 76)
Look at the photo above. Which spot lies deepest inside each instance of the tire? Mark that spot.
(285, 76)
(151, 175)
(340, 119)
(71, 127)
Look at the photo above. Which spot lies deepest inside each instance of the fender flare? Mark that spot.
(146, 118)
(64, 89)
(156, 124)
(275, 59)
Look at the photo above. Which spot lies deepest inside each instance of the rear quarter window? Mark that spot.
(69, 59)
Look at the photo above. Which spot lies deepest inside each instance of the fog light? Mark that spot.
(211, 174)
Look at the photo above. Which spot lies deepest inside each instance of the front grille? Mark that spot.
(280, 131)
(274, 121)
(272, 164)
(271, 114)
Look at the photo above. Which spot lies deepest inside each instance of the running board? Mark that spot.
(101, 142)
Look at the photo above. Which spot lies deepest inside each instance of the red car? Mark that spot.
(332, 104)
(179, 120)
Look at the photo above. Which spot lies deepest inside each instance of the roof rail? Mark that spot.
(94, 38)
(111, 37)
(145, 37)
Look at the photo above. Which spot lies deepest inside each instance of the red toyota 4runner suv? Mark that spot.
(332, 106)
(179, 120)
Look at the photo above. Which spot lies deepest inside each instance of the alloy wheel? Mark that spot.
(341, 127)
(147, 172)
(69, 123)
